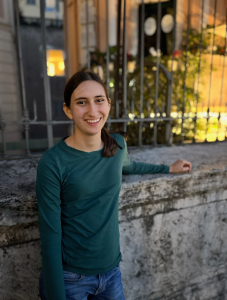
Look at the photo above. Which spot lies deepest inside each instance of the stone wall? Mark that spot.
(173, 227)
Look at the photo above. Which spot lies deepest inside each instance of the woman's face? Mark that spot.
(89, 107)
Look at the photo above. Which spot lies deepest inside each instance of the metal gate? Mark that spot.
(154, 102)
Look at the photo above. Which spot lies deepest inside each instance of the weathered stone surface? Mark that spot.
(17, 191)
(17, 234)
(19, 271)
(173, 227)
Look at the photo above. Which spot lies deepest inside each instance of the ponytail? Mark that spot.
(110, 145)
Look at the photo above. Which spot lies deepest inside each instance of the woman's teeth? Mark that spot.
(93, 121)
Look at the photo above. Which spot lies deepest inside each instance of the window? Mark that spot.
(55, 62)
(31, 2)
(50, 5)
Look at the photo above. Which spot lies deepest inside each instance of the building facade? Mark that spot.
(10, 99)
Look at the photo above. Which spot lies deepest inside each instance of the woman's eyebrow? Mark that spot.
(81, 98)
(84, 98)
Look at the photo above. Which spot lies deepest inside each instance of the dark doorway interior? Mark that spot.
(151, 10)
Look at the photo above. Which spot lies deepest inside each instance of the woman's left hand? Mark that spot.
(180, 166)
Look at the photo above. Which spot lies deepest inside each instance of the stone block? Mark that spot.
(173, 228)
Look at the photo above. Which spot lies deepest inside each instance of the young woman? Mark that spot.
(78, 185)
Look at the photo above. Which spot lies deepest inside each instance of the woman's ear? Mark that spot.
(67, 111)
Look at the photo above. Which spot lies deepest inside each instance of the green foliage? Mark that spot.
(186, 69)
(194, 41)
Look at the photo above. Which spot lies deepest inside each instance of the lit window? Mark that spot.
(31, 2)
(55, 63)
(50, 5)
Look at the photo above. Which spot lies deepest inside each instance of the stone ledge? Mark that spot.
(140, 196)
(173, 228)
(18, 234)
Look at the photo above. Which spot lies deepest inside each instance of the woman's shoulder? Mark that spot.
(120, 137)
(48, 157)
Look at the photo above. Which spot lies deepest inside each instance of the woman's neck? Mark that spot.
(85, 143)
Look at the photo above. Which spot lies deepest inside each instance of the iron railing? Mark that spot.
(152, 112)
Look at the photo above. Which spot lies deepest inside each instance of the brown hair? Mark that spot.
(110, 145)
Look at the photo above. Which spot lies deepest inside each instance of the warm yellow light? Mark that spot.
(51, 69)
(131, 66)
(61, 65)
(55, 62)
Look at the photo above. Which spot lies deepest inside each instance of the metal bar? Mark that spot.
(212, 53)
(170, 83)
(199, 67)
(148, 107)
(124, 115)
(157, 70)
(168, 112)
(124, 112)
(174, 35)
(116, 84)
(125, 127)
(111, 120)
(2, 129)
(117, 109)
(22, 83)
(57, 13)
(185, 73)
(20, 54)
(67, 38)
(108, 121)
(26, 129)
(158, 52)
(223, 68)
(72, 128)
(87, 36)
(107, 49)
(132, 101)
(47, 95)
(141, 66)
(35, 110)
(140, 134)
(211, 71)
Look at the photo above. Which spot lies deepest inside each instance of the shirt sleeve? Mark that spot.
(133, 167)
(49, 204)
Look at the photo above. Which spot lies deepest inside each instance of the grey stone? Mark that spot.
(173, 227)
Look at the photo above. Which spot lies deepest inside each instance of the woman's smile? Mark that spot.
(94, 122)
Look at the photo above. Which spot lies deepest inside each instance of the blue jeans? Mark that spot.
(106, 286)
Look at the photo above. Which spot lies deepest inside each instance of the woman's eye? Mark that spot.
(100, 100)
(81, 102)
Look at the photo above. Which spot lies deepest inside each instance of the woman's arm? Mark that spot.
(49, 204)
(133, 167)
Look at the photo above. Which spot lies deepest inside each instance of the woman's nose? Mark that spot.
(92, 110)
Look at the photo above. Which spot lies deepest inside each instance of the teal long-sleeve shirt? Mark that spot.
(77, 195)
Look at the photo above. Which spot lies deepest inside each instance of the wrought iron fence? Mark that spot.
(154, 103)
